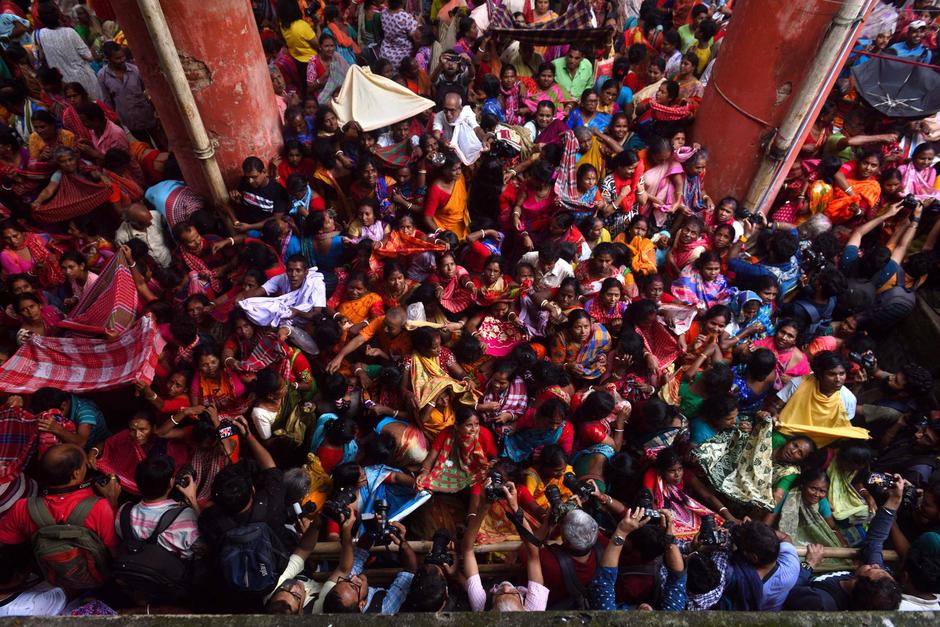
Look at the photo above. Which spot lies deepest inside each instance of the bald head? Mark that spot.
(139, 216)
(452, 105)
(63, 465)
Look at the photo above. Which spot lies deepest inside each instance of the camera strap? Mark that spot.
(525, 534)
(66, 489)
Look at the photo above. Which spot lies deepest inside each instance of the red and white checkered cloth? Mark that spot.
(108, 306)
(78, 364)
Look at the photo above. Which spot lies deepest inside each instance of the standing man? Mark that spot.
(123, 91)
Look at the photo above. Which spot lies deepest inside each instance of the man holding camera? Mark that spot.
(350, 592)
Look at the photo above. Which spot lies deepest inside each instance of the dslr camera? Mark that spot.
(336, 508)
(644, 500)
(559, 507)
(494, 491)
(866, 360)
(880, 482)
(378, 526)
(581, 489)
(439, 555)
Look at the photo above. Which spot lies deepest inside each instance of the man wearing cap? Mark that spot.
(912, 47)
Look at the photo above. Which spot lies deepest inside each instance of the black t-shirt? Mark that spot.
(823, 595)
(259, 204)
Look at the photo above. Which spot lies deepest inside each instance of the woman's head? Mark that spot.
(696, 164)
(466, 422)
(642, 313)
(602, 258)
(568, 294)
(579, 325)
(551, 414)
(854, 455)
(814, 485)
(587, 177)
(715, 319)
(923, 156)
(709, 265)
(767, 288)
(140, 427)
(73, 265)
(270, 386)
(760, 364)
(869, 164)
(691, 230)
(546, 76)
(721, 412)
(426, 341)
(28, 307)
(796, 450)
(788, 330)
(639, 226)
(669, 465)
(589, 101)
(208, 359)
(717, 380)
(611, 292)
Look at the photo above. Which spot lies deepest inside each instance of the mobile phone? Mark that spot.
(226, 429)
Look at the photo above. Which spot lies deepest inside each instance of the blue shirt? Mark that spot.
(918, 53)
(84, 412)
(604, 597)
(396, 593)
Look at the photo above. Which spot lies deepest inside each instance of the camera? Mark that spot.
(644, 501)
(880, 482)
(308, 509)
(708, 532)
(185, 476)
(336, 508)
(581, 489)
(226, 429)
(494, 491)
(436, 158)
(377, 526)
(865, 360)
(559, 507)
(813, 261)
(909, 202)
(439, 555)
(754, 217)
(103, 481)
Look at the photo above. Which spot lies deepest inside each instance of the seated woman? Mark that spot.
(214, 384)
(694, 197)
(409, 247)
(665, 482)
(754, 380)
(334, 441)
(641, 247)
(504, 398)
(410, 448)
(628, 370)
(77, 276)
(96, 249)
(33, 318)
(581, 346)
(498, 328)
(599, 421)
(366, 225)
(460, 456)
(551, 468)
(791, 361)
(322, 245)
(749, 317)
(29, 253)
(819, 405)
(608, 306)
(454, 287)
(250, 349)
(588, 196)
(394, 288)
(358, 304)
(662, 348)
(852, 504)
(377, 188)
(586, 114)
(538, 428)
(701, 284)
(493, 283)
(601, 265)
(716, 414)
(707, 334)
(47, 136)
(689, 245)
(428, 362)
(277, 426)
(747, 471)
(120, 454)
(534, 205)
(446, 204)
(805, 515)
(173, 399)
(546, 89)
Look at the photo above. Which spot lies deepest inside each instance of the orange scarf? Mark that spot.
(342, 37)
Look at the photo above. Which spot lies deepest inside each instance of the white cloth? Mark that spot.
(272, 311)
(561, 271)
(911, 603)
(375, 101)
(461, 134)
(64, 50)
(264, 420)
(40, 600)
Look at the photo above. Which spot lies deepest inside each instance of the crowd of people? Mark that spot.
(515, 319)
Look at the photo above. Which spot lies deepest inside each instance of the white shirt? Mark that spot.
(553, 278)
(447, 128)
(40, 600)
(152, 237)
(916, 604)
(264, 420)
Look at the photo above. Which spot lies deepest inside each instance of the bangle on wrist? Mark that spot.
(174, 420)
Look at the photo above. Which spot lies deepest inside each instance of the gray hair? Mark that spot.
(579, 530)
(296, 485)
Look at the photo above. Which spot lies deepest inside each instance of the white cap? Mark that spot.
(916, 24)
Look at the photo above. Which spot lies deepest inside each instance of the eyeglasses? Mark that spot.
(451, 109)
(286, 587)
(349, 580)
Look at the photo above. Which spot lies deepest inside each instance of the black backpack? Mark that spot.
(144, 568)
(578, 595)
(251, 556)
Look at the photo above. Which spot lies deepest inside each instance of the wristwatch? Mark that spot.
(618, 540)
(805, 566)
(670, 539)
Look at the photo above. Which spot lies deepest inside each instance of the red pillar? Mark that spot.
(221, 53)
(762, 62)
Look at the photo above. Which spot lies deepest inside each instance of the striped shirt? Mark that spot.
(179, 537)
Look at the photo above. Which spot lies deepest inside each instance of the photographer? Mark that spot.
(911, 447)
(351, 593)
(603, 594)
(781, 261)
(505, 596)
(429, 588)
(763, 569)
(568, 568)
(888, 396)
(869, 587)
(296, 593)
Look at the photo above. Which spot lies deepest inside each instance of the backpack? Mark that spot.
(70, 555)
(144, 567)
(577, 598)
(251, 557)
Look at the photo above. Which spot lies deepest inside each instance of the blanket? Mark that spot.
(574, 26)
(84, 364)
(375, 101)
(109, 305)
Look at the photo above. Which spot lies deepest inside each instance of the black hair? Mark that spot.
(252, 164)
(656, 416)
(346, 475)
(827, 360)
(649, 541)
(596, 406)
(422, 338)
(917, 380)
(811, 473)
(153, 476)
(92, 111)
(59, 471)
(703, 574)
(715, 408)
(761, 363)
(666, 458)
(717, 380)
(923, 569)
(879, 594)
(267, 383)
(757, 539)
(854, 454)
(783, 245)
(232, 488)
(428, 591)
(47, 398)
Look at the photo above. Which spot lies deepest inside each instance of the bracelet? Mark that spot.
(724, 509)
(357, 370)
(336, 314)
(130, 265)
(512, 172)
(337, 153)
(618, 430)
(422, 171)
(395, 415)
(232, 239)
(471, 515)
(482, 233)
(174, 421)
(95, 449)
(154, 397)
(410, 206)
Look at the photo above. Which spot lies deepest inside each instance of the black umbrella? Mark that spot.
(898, 89)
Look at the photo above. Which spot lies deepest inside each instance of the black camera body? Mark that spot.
(439, 555)
(581, 489)
(909, 202)
(378, 526)
(185, 476)
(880, 482)
(708, 532)
(644, 500)
(559, 507)
(494, 491)
(336, 508)
(866, 360)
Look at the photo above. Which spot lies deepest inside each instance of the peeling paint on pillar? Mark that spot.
(762, 62)
(221, 54)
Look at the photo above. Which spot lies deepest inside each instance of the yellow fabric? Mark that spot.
(536, 486)
(36, 143)
(822, 418)
(375, 101)
(455, 215)
(844, 499)
(297, 37)
(595, 157)
(438, 421)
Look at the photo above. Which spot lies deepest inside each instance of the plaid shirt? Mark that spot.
(394, 595)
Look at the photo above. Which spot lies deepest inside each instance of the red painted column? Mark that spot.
(219, 47)
(762, 62)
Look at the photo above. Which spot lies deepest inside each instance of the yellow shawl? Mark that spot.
(823, 418)
(455, 215)
(595, 157)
